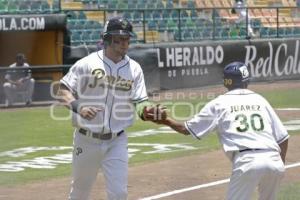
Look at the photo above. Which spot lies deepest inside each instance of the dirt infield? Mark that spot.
(164, 176)
(159, 177)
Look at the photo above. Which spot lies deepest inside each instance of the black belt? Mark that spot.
(106, 136)
(249, 150)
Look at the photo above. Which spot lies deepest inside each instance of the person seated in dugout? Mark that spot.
(18, 81)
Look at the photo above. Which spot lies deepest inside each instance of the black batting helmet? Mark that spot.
(236, 75)
(117, 26)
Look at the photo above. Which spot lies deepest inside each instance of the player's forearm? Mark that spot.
(283, 146)
(27, 77)
(65, 96)
(10, 81)
(175, 125)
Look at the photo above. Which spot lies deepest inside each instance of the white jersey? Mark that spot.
(244, 120)
(14, 74)
(95, 80)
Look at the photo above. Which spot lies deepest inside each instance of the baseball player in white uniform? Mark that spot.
(103, 90)
(251, 134)
(18, 80)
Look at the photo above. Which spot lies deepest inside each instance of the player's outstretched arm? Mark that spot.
(283, 146)
(158, 114)
(175, 125)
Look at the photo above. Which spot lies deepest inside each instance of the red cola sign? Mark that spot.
(278, 60)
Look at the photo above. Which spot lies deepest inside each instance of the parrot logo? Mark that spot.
(124, 24)
(78, 151)
(244, 71)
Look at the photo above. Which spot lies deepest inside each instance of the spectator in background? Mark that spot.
(241, 10)
(18, 80)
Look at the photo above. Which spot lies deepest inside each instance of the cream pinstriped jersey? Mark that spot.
(114, 87)
(243, 120)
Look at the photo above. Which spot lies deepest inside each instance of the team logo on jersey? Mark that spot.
(244, 71)
(98, 73)
(117, 83)
(78, 151)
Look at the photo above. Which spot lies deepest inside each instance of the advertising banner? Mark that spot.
(196, 64)
(190, 65)
(273, 60)
(187, 65)
(32, 22)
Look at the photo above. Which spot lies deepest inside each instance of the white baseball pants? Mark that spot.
(89, 155)
(11, 91)
(263, 169)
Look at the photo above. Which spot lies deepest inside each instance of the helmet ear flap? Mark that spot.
(228, 82)
(107, 39)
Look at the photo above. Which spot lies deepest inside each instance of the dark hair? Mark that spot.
(20, 56)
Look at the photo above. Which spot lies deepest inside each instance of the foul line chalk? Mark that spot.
(292, 165)
(201, 186)
(186, 189)
(288, 109)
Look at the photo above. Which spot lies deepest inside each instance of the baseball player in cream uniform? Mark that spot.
(18, 81)
(103, 89)
(251, 134)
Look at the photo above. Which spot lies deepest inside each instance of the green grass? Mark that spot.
(27, 127)
(290, 192)
(207, 144)
(283, 98)
(34, 127)
(10, 179)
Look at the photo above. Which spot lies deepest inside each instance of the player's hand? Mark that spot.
(18, 82)
(89, 112)
(162, 115)
(154, 113)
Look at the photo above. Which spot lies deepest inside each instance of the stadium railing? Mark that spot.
(186, 24)
(165, 21)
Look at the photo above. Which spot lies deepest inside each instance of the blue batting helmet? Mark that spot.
(236, 75)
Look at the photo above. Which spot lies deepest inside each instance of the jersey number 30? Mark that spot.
(256, 122)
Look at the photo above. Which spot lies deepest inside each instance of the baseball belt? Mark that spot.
(106, 136)
(249, 150)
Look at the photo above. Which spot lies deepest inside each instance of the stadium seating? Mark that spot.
(197, 34)
(152, 25)
(204, 23)
(28, 6)
(172, 25)
(162, 25)
(3, 8)
(211, 20)
(152, 36)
